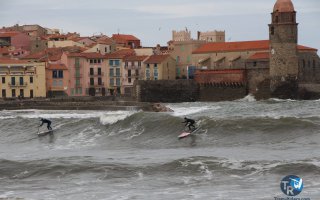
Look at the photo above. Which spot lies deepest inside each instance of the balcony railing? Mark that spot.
(96, 85)
(132, 67)
(96, 74)
(18, 84)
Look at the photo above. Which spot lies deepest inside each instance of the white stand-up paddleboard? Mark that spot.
(43, 133)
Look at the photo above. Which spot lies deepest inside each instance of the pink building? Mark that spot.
(57, 79)
(86, 74)
(132, 71)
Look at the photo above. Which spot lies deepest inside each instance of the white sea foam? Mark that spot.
(185, 111)
(248, 98)
(113, 117)
(106, 117)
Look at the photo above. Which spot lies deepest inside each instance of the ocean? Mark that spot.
(242, 150)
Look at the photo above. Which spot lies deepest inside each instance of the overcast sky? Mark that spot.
(153, 21)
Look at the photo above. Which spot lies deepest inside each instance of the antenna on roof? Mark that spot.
(118, 30)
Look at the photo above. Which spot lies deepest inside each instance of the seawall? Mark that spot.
(75, 103)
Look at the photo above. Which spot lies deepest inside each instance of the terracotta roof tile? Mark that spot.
(9, 34)
(12, 61)
(57, 66)
(136, 58)
(256, 45)
(156, 59)
(86, 55)
(124, 37)
(105, 40)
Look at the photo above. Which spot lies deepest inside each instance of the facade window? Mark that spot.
(148, 66)
(60, 74)
(139, 64)
(118, 81)
(118, 72)
(13, 91)
(137, 72)
(99, 71)
(178, 71)
(21, 80)
(272, 30)
(117, 62)
(4, 95)
(309, 63)
(188, 59)
(31, 79)
(111, 62)
(156, 65)
(129, 80)
(57, 74)
(99, 81)
(303, 63)
(77, 82)
(314, 64)
(129, 73)
(3, 79)
(77, 62)
(13, 81)
(254, 64)
(111, 72)
(156, 73)
(54, 74)
(21, 93)
(111, 82)
(31, 93)
(148, 74)
(91, 81)
(91, 71)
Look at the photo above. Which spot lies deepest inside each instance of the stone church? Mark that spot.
(278, 67)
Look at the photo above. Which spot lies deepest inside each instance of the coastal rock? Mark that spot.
(158, 107)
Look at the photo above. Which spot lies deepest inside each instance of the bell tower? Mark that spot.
(283, 35)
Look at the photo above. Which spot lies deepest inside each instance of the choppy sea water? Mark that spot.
(242, 151)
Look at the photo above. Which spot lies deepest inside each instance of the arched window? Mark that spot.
(272, 30)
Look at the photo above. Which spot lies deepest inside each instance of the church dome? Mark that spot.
(283, 6)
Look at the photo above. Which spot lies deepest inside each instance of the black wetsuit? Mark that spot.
(48, 122)
(189, 123)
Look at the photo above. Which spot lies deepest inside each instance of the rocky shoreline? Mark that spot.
(81, 104)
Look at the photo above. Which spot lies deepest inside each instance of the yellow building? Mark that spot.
(22, 79)
(159, 67)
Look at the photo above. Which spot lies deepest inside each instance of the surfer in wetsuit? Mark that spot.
(46, 121)
(189, 123)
